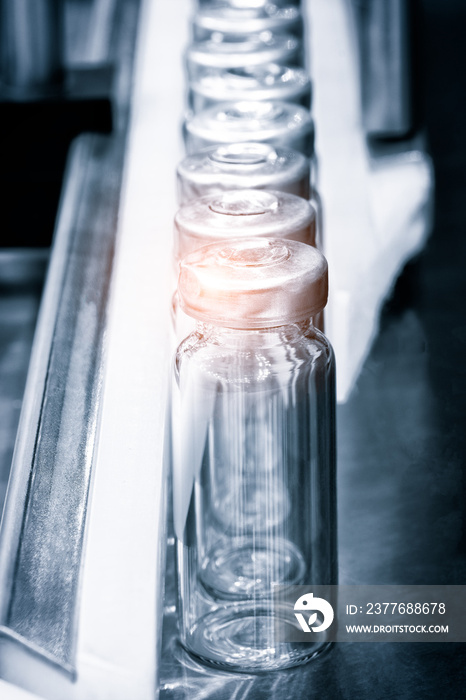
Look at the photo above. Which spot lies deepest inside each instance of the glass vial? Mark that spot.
(276, 123)
(238, 21)
(251, 83)
(253, 440)
(242, 213)
(243, 165)
(222, 51)
(250, 165)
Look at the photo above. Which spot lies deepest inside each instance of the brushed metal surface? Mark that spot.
(43, 597)
(43, 528)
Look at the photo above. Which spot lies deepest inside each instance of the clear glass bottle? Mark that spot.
(253, 444)
(250, 83)
(223, 51)
(248, 165)
(241, 212)
(277, 123)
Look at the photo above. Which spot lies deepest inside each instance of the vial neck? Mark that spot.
(258, 337)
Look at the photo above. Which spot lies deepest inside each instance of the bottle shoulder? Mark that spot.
(254, 356)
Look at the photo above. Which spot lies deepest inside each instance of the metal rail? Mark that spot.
(43, 528)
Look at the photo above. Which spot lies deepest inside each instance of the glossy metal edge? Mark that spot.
(41, 538)
(43, 526)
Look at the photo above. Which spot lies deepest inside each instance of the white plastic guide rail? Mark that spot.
(377, 214)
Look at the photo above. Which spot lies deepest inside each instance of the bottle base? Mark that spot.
(243, 639)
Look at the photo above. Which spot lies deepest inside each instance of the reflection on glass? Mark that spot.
(253, 449)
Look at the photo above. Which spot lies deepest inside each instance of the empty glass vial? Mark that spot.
(222, 51)
(249, 165)
(238, 21)
(277, 123)
(243, 165)
(243, 213)
(238, 213)
(253, 444)
(251, 83)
